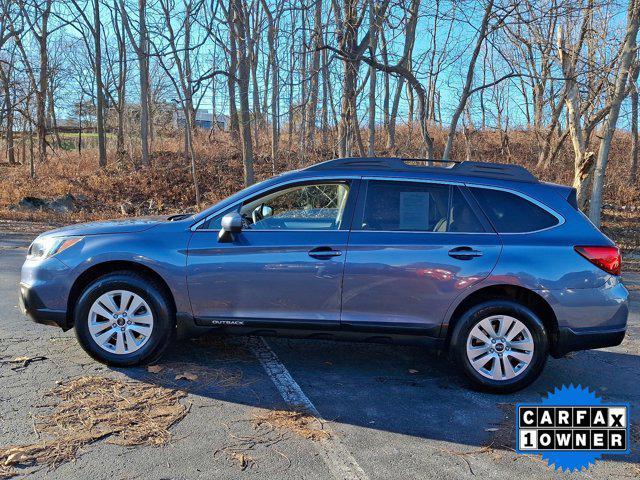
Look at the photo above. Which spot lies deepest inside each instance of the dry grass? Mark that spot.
(300, 423)
(92, 408)
(222, 378)
(166, 186)
(269, 428)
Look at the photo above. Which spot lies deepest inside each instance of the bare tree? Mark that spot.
(141, 48)
(94, 27)
(633, 168)
(273, 67)
(241, 33)
(36, 16)
(620, 91)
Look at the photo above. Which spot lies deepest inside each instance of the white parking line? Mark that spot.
(340, 462)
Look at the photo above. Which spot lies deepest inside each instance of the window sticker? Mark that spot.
(414, 210)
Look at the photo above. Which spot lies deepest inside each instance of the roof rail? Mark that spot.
(452, 167)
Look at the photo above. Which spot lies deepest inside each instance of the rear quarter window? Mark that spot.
(510, 213)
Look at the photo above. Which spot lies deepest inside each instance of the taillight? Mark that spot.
(606, 258)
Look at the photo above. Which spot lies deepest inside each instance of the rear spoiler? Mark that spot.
(572, 198)
(566, 192)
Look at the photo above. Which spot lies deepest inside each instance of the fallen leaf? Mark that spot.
(192, 377)
(155, 368)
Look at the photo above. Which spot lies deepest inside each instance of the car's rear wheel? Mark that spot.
(500, 345)
(124, 319)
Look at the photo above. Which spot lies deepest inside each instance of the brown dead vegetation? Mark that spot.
(92, 408)
(268, 429)
(166, 186)
(181, 373)
(300, 423)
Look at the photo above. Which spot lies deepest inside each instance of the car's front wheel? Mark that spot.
(500, 345)
(123, 319)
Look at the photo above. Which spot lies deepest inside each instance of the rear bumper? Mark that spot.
(31, 305)
(569, 340)
(590, 317)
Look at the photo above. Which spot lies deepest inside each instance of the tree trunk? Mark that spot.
(348, 38)
(11, 155)
(54, 119)
(97, 35)
(188, 129)
(234, 125)
(325, 99)
(142, 51)
(315, 74)
(10, 108)
(275, 87)
(633, 170)
(387, 90)
(391, 129)
(241, 31)
(373, 43)
(121, 88)
(41, 94)
(620, 92)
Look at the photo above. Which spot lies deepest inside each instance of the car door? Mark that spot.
(285, 266)
(413, 248)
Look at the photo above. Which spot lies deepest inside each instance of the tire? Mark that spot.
(469, 343)
(137, 339)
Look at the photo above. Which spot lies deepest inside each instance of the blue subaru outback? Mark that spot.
(480, 259)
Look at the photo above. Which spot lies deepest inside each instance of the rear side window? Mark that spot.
(510, 213)
(417, 207)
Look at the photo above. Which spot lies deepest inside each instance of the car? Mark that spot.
(479, 259)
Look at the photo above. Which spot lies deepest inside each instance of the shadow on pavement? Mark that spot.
(398, 389)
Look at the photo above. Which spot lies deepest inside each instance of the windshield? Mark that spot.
(235, 197)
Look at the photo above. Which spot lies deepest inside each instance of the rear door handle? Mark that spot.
(464, 253)
(324, 253)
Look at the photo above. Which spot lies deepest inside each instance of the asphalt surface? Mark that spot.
(394, 411)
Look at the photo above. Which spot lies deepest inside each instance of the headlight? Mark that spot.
(48, 246)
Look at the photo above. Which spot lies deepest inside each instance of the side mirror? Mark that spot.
(231, 223)
(266, 211)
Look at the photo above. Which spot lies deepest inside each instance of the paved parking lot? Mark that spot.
(392, 411)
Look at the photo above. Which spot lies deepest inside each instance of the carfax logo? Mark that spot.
(572, 428)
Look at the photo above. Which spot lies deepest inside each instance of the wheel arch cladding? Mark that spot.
(530, 299)
(104, 268)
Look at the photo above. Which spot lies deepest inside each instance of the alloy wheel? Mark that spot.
(120, 322)
(500, 347)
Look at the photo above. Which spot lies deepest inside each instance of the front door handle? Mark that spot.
(464, 253)
(324, 253)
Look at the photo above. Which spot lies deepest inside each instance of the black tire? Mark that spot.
(163, 318)
(462, 328)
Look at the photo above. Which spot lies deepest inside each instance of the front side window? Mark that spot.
(510, 213)
(421, 207)
(303, 207)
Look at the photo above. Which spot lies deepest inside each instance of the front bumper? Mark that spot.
(569, 340)
(31, 305)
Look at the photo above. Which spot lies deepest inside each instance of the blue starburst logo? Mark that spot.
(572, 427)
